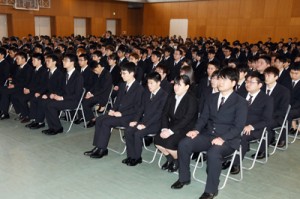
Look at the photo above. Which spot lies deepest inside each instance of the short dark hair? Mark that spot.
(272, 70)
(164, 68)
(156, 53)
(22, 54)
(84, 56)
(229, 73)
(72, 57)
(113, 57)
(38, 56)
(215, 63)
(186, 80)
(93, 64)
(215, 74)
(255, 74)
(98, 53)
(242, 68)
(267, 58)
(281, 58)
(129, 66)
(154, 76)
(3, 51)
(296, 66)
(53, 57)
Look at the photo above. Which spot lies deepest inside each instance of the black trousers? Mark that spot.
(88, 105)
(20, 103)
(104, 123)
(6, 96)
(215, 156)
(134, 139)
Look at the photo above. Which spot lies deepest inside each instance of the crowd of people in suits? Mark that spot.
(199, 95)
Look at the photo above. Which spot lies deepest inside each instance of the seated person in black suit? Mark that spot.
(54, 86)
(217, 131)
(179, 116)
(98, 94)
(208, 91)
(295, 97)
(4, 68)
(263, 62)
(16, 84)
(139, 75)
(281, 100)
(37, 85)
(260, 111)
(240, 88)
(128, 102)
(199, 66)
(69, 99)
(146, 121)
(115, 72)
(164, 84)
(284, 76)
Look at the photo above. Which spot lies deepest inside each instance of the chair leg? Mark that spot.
(122, 139)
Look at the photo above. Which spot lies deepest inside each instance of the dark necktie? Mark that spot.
(250, 100)
(50, 75)
(222, 102)
(293, 84)
(126, 88)
(67, 78)
(151, 96)
(268, 92)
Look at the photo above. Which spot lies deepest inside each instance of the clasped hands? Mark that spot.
(114, 113)
(216, 141)
(139, 126)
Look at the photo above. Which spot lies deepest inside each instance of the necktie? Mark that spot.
(293, 84)
(222, 102)
(268, 92)
(151, 96)
(50, 74)
(250, 100)
(126, 88)
(67, 78)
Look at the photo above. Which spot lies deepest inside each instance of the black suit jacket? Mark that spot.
(199, 70)
(22, 77)
(285, 79)
(38, 83)
(174, 70)
(72, 91)
(4, 72)
(281, 101)
(116, 75)
(166, 86)
(102, 87)
(168, 62)
(89, 78)
(260, 112)
(185, 116)
(151, 109)
(295, 96)
(242, 90)
(227, 122)
(128, 103)
(55, 83)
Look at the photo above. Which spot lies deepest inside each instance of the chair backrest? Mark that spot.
(81, 98)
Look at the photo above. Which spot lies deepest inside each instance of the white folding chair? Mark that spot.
(150, 150)
(68, 113)
(264, 137)
(279, 131)
(109, 102)
(226, 175)
(120, 129)
(295, 137)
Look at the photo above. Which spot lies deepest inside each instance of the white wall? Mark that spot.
(3, 26)
(80, 26)
(179, 27)
(42, 25)
(111, 25)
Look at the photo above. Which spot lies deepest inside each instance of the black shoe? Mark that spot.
(135, 162)
(31, 124)
(88, 153)
(54, 132)
(235, 170)
(260, 155)
(281, 144)
(126, 160)
(47, 131)
(173, 167)
(78, 121)
(37, 126)
(4, 116)
(148, 140)
(179, 185)
(166, 165)
(292, 131)
(99, 153)
(91, 124)
(206, 195)
(25, 120)
(226, 165)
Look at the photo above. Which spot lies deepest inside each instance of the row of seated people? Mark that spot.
(178, 117)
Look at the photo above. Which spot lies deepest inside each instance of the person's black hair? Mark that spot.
(255, 74)
(53, 57)
(22, 54)
(215, 63)
(281, 58)
(129, 66)
(186, 80)
(164, 68)
(156, 53)
(72, 57)
(38, 56)
(242, 68)
(98, 53)
(296, 66)
(3, 51)
(122, 48)
(267, 58)
(113, 56)
(215, 74)
(229, 73)
(93, 64)
(154, 76)
(272, 70)
(233, 60)
(85, 56)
